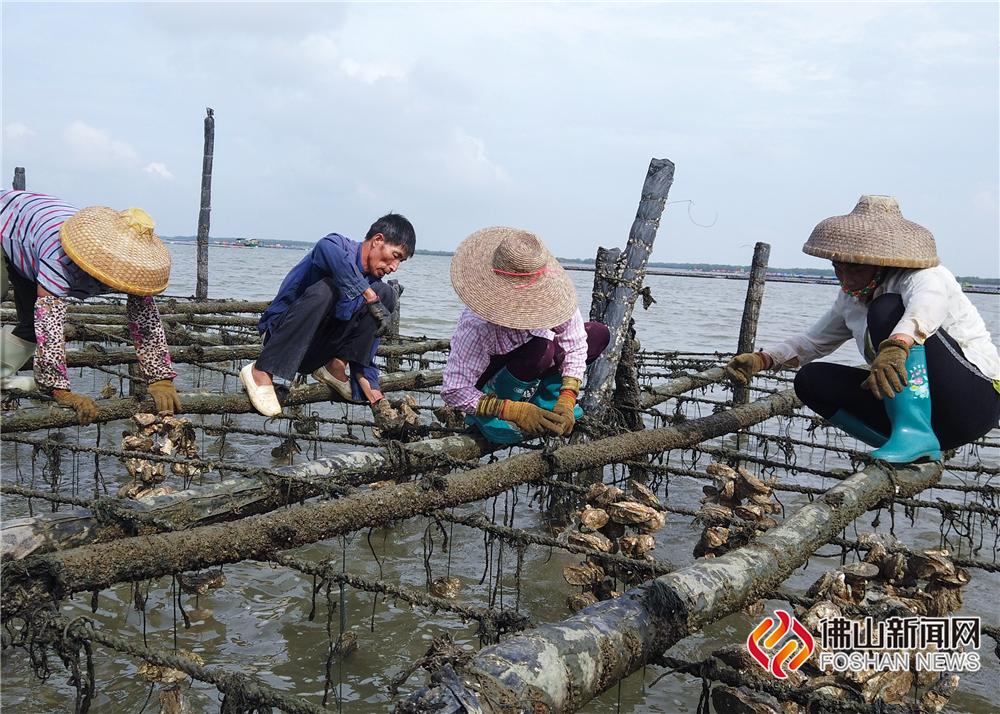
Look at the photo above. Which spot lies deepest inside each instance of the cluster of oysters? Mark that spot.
(738, 494)
(160, 435)
(611, 522)
(888, 582)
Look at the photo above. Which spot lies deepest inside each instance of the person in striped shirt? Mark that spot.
(521, 347)
(54, 253)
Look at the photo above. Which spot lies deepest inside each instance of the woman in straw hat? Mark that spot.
(52, 252)
(934, 376)
(521, 337)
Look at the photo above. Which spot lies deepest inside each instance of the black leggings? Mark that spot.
(964, 404)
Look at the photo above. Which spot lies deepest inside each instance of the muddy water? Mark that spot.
(260, 622)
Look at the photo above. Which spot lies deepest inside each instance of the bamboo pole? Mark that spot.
(600, 375)
(679, 385)
(559, 667)
(751, 311)
(204, 215)
(18, 184)
(98, 566)
(56, 417)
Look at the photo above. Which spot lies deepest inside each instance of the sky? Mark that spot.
(539, 116)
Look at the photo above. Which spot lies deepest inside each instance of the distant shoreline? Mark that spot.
(970, 284)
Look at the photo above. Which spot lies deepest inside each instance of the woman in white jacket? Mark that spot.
(934, 377)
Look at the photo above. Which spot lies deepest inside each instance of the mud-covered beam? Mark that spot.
(229, 499)
(195, 355)
(98, 566)
(55, 417)
(559, 667)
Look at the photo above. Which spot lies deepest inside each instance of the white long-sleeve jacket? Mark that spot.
(932, 300)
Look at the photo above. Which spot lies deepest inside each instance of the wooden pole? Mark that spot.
(18, 184)
(600, 375)
(238, 497)
(201, 288)
(392, 364)
(56, 417)
(605, 275)
(98, 566)
(559, 667)
(751, 310)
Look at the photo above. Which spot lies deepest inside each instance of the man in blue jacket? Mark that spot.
(329, 312)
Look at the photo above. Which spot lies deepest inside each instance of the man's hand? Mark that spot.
(567, 402)
(742, 367)
(85, 407)
(888, 376)
(382, 317)
(530, 419)
(164, 395)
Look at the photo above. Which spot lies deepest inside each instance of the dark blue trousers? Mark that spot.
(307, 336)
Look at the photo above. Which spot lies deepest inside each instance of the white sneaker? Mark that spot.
(341, 387)
(264, 399)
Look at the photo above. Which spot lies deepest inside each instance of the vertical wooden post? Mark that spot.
(751, 310)
(18, 184)
(600, 376)
(392, 364)
(201, 288)
(605, 274)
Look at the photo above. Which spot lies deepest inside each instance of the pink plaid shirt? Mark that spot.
(475, 341)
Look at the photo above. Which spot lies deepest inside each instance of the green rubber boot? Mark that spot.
(846, 421)
(910, 415)
(548, 392)
(506, 386)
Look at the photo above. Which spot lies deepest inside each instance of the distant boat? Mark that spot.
(246, 243)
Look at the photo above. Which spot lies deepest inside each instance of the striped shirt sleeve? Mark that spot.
(572, 337)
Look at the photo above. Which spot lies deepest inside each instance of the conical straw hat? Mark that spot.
(118, 248)
(508, 277)
(874, 233)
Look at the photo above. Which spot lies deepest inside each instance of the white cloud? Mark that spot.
(157, 168)
(467, 160)
(91, 145)
(16, 131)
(372, 72)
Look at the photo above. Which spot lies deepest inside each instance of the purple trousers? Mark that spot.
(539, 357)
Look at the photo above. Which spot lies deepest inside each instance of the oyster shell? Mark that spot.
(602, 495)
(585, 573)
(644, 495)
(597, 541)
(577, 602)
(637, 545)
(446, 586)
(595, 518)
(631, 513)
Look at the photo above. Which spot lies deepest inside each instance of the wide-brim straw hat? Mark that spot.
(874, 233)
(119, 248)
(508, 277)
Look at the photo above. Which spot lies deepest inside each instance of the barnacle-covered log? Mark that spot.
(229, 499)
(600, 374)
(186, 355)
(561, 666)
(97, 566)
(54, 417)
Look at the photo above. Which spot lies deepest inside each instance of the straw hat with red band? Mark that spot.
(119, 248)
(874, 233)
(508, 277)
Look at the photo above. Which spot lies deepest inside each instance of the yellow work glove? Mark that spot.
(85, 407)
(566, 401)
(742, 367)
(164, 395)
(530, 419)
(888, 375)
